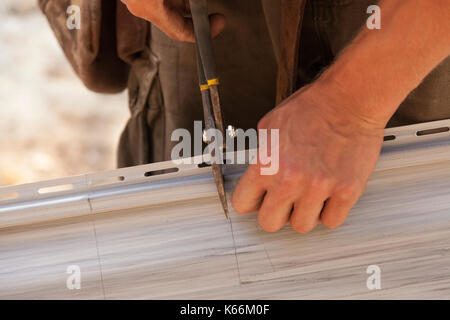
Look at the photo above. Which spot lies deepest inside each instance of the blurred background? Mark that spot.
(50, 125)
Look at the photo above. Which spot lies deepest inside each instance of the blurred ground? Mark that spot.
(50, 125)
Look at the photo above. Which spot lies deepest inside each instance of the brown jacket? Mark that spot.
(114, 49)
(257, 56)
(101, 58)
(101, 51)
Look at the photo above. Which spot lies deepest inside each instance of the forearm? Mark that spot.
(380, 68)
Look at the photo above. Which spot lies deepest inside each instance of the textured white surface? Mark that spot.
(186, 249)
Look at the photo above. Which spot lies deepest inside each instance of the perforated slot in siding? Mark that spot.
(432, 131)
(158, 172)
(389, 138)
(109, 180)
(8, 196)
(52, 189)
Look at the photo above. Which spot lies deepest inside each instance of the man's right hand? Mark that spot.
(172, 17)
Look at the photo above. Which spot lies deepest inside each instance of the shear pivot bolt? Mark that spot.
(231, 131)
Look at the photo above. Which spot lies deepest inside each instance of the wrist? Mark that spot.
(353, 93)
(335, 108)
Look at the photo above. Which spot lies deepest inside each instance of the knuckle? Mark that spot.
(131, 7)
(131, 4)
(320, 183)
(287, 181)
(174, 32)
(174, 36)
(262, 124)
(291, 177)
(350, 190)
(184, 34)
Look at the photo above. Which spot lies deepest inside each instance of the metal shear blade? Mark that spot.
(209, 86)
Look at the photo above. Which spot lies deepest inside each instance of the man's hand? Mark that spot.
(327, 154)
(331, 132)
(172, 17)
